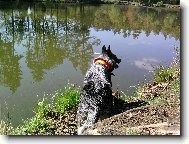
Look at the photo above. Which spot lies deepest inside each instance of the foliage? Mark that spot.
(157, 1)
(163, 74)
(37, 122)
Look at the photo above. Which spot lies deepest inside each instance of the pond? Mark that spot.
(45, 46)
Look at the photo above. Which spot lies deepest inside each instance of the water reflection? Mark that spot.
(37, 40)
(133, 20)
(10, 73)
(49, 37)
(147, 64)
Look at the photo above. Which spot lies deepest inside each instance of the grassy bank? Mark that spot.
(57, 117)
(46, 114)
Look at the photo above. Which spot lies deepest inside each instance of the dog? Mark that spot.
(96, 98)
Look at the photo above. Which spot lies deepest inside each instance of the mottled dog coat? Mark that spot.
(96, 99)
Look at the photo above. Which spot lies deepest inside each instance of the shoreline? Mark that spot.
(58, 117)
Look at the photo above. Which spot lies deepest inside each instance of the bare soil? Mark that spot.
(156, 119)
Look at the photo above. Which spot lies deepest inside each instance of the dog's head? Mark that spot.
(111, 58)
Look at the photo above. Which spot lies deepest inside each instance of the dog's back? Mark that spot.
(96, 96)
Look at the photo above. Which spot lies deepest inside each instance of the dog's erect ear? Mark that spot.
(109, 48)
(103, 49)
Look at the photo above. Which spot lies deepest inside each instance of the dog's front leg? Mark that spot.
(91, 119)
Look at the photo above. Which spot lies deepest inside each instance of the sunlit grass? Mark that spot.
(165, 74)
(133, 132)
(66, 99)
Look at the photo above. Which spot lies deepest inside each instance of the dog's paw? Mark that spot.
(80, 130)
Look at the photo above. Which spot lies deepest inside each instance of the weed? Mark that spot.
(66, 99)
(31, 126)
(165, 74)
(155, 101)
(133, 132)
(42, 109)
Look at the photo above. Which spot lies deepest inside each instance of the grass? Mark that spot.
(133, 132)
(166, 74)
(37, 122)
(155, 101)
(63, 100)
(66, 99)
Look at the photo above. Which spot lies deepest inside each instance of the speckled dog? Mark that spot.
(96, 99)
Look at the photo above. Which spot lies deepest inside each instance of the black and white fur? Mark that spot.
(96, 96)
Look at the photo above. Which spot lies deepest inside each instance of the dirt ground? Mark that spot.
(144, 119)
